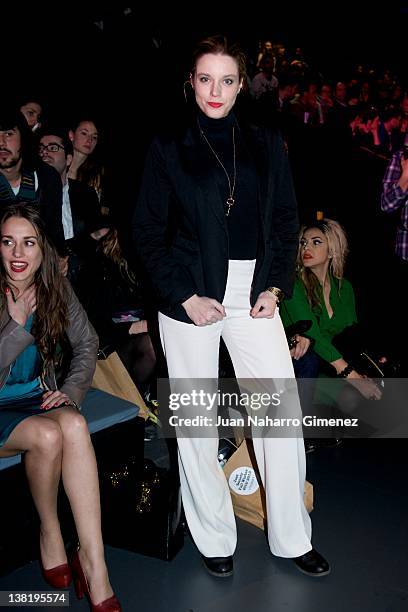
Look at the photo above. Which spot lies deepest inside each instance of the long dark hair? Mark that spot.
(110, 246)
(51, 315)
(91, 171)
(11, 118)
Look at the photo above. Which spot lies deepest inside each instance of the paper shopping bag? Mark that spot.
(247, 493)
(112, 377)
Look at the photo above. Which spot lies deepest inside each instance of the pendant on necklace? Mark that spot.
(230, 203)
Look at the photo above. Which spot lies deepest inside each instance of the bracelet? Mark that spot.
(344, 373)
(278, 293)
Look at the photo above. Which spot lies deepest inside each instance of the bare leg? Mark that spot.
(80, 479)
(41, 440)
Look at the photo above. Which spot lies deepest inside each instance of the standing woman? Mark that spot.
(216, 227)
(38, 314)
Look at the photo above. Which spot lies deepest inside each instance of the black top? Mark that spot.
(180, 227)
(105, 291)
(243, 219)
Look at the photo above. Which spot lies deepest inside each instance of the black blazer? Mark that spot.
(49, 195)
(180, 228)
(85, 207)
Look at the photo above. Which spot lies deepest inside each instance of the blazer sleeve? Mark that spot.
(298, 309)
(84, 343)
(285, 221)
(169, 277)
(50, 196)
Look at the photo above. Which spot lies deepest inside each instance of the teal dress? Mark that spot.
(21, 396)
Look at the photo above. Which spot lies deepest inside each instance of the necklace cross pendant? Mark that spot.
(230, 203)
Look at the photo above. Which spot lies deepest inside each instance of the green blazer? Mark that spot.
(323, 328)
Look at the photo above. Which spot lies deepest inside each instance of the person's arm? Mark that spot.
(395, 184)
(171, 280)
(297, 309)
(84, 343)
(285, 220)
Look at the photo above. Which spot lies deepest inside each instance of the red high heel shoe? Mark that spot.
(59, 577)
(81, 587)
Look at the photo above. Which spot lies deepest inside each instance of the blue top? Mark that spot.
(23, 380)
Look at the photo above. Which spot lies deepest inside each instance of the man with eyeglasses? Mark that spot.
(24, 180)
(80, 204)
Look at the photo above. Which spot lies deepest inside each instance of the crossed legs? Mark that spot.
(57, 444)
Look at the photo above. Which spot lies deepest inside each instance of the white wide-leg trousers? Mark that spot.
(258, 349)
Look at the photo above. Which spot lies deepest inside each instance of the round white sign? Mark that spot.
(243, 481)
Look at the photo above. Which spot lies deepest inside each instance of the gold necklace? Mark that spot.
(230, 199)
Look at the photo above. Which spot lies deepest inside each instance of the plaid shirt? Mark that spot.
(394, 198)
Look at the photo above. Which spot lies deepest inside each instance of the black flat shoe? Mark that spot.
(313, 564)
(221, 567)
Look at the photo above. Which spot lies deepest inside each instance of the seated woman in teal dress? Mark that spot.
(39, 313)
(323, 296)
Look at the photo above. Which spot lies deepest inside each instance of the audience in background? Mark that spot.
(86, 165)
(80, 205)
(32, 110)
(22, 179)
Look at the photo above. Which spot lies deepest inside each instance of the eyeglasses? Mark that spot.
(52, 147)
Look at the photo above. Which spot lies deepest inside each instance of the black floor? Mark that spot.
(360, 524)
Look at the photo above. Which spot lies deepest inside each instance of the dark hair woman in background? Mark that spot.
(110, 294)
(86, 165)
(39, 313)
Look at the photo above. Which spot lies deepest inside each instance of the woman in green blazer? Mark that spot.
(322, 295)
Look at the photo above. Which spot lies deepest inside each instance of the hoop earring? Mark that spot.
(187, 82)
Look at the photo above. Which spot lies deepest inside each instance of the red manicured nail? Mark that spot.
(7, 290)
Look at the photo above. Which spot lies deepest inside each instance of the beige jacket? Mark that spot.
(82, 337)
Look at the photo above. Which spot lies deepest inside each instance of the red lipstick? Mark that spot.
(215, 104)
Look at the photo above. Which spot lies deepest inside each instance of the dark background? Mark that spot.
(129, 70)
(103, 55)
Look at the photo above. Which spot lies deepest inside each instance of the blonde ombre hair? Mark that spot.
(337, 250)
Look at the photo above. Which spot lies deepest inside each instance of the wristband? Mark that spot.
(344, 373)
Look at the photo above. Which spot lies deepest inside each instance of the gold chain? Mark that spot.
(230, 200)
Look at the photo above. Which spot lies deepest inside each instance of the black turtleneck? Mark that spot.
(242, 221)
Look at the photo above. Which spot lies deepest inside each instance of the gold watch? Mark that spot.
(278, 293)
